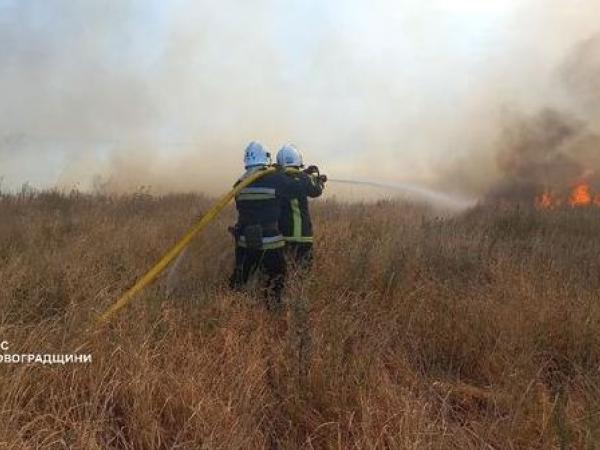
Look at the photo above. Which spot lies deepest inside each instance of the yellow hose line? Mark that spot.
(164, 262)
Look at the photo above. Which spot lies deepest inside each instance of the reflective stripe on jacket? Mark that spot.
(261, 203)
(295, 223)
(268, 243)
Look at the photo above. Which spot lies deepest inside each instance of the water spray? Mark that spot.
(437, 198)
(176, 251)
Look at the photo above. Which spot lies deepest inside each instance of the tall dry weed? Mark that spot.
(412, 331)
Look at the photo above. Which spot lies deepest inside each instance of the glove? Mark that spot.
(323, 178)
(311, 169)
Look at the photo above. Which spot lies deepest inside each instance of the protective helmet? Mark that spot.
(289, 156)
(256, 155)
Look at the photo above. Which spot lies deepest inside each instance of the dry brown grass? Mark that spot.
(479, 331)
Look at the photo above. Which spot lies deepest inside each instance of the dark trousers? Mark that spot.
(299, 255)
(269, 265)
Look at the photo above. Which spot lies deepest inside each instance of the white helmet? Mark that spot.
(289, 156)
(256, 155)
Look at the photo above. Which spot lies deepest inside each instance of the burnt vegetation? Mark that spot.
(413, 331)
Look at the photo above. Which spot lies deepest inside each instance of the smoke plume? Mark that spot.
(551, 148)
(120, 94)
(542, 152)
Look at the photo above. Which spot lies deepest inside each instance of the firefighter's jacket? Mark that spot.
(295, 223)
(260, 204)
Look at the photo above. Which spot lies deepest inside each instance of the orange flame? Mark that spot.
(581, 195)
(545, 201)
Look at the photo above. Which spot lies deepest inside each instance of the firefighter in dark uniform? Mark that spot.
(295, 223)
(259, 242)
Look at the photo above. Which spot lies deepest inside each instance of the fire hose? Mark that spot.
(179, 247)
(164, 262)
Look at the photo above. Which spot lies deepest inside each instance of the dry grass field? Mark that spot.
(480, 331)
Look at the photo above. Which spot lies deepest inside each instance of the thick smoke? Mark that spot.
(544, 152)
(552, 148)
(120, 94)
(581, 75)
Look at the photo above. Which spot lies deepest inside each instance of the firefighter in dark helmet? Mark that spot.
(259, 242)
(295, 223)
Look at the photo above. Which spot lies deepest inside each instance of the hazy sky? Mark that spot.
(168, 93)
